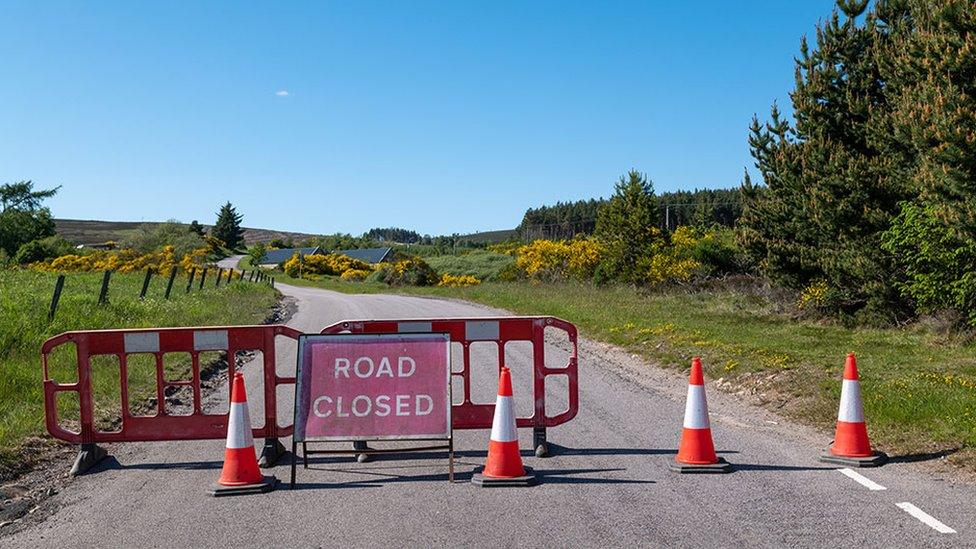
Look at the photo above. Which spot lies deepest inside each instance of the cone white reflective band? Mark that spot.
(503, 424)
(239, 427)
(696, 409)
(851, 410)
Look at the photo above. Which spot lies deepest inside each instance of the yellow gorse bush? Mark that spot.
(813, 295)
(124, 261)
(324, 264)
(673, 261)
(354, 275)
(559, 259)
(457, 281)
(506, 248)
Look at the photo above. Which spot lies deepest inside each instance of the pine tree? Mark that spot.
(23, 217)
(228, 227)
(627, 225)
(931, 74)
(832, 186)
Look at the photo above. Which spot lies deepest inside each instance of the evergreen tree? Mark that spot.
(931, 72)
(228, 227)
(832, 184)
(627, 226)
(197, 228)
(22, 216)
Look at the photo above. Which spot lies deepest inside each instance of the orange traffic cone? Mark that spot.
(504, 465)
(851, 445)
(696, 453)
(240, 474)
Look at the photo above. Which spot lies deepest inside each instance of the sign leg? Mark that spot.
(294, 462)
(450, 461)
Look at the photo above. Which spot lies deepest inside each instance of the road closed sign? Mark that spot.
(373, 387)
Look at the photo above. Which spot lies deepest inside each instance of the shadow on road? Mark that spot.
(923, 456)
(768, 467)
(110, 463)
(555, 450)
(384, 475)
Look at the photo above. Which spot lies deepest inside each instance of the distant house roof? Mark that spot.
(368, 255)
(274, 257)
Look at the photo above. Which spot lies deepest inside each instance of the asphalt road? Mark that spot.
(608, 483)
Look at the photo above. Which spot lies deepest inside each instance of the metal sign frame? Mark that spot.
(299, 427)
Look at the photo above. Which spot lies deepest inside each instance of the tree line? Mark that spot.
(699, 208)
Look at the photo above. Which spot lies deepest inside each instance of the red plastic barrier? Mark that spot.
(157, 342)
(500, 330)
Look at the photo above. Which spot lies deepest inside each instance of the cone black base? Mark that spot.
(714, 468)
(528, 479)
(875, 460)
(267, 484)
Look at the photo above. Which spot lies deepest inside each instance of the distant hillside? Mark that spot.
(490, 237)
(79, 231)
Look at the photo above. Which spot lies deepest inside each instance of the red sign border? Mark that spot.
(299, 427)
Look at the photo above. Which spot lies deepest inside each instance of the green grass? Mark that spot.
(480, 264)
(24, 300)
(919, 386)
(918, 383)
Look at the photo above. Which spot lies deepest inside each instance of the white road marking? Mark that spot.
(928, 519)
(861, 479)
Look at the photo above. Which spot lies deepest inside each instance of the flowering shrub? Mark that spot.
(354, 275)
(123, 261)
(457, 281)
(408, 272)
(560, 259)
(814, 295)
(673, 261)
(323, 264)
(505, 248)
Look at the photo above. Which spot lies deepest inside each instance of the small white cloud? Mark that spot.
(282, 93)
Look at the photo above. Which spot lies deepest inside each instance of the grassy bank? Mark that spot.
(24, 300)
(919, 383)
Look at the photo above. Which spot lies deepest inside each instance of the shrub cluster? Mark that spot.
(560, 259)
(407, 272)
(355, 275)
(323, 264)
(457, 281)
(124, 261)
(675, 257)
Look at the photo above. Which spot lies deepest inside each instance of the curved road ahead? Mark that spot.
(608, 484)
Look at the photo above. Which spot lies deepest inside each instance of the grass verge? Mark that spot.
(918, 383)
(24, 300)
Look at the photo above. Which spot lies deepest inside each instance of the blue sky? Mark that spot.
(442, 117)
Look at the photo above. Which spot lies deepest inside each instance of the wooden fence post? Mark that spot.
(145, 283)
(172, 277)
(58, 286)
(220, 272)
(189, 281)
(203, 277)
(103, 294)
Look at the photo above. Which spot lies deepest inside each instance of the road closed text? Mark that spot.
(376, 386)
(380, 405)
